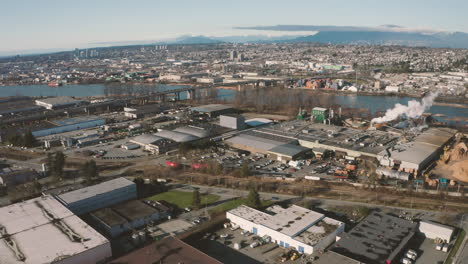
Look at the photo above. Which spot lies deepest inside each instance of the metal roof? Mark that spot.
(176, 136)
(76, 120)
(194, 131)
(145, 139)
(91, 191)
(259, 143)
(254, 122)
(211, 108)
(288, 150)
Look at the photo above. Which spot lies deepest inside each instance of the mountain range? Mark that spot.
(382, 35)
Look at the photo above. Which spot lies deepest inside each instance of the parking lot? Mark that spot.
(426, 250)
(221, 245)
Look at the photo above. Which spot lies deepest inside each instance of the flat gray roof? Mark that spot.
(331, 257)
(76, 120)
(134, 209)
(376, 239)
(211, 108)
(87, 192)
(289, 150)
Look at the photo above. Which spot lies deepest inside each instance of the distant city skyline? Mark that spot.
(51, 25)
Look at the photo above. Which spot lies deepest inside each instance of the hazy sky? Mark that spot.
(53, 24)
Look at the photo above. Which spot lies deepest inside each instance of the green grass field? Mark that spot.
(456, 247)
(233, 204)
(183, 199)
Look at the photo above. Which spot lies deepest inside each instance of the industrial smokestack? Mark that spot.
(414, 109)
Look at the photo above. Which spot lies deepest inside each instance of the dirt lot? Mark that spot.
(16, 154)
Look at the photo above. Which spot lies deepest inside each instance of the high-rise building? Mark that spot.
(233, 55)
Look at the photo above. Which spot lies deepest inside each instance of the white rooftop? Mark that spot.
(84, 193)
(290, 221)
(59, 100)
(40, 240)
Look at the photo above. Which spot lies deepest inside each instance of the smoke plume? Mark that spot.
(414, 109)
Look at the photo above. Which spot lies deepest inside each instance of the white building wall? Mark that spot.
(67, 128)
(324, 243)
(276, 237)
(433, 231)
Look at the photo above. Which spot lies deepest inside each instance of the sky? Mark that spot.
(31, 25)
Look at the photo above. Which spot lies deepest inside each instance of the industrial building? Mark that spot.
(9, 177)
(99, 196)
(410, 155)
(42, 230)
(258, 122)
(415, 155)
(167, 250)
(379, 238)
(319, 114)
(198, 132)
(143, 110)
(127, 216)
(214, 110)
(70, 124)
(58, 102)
(281, 148)
(232, 121)
(294, 227)
(434, 230)
(178, 137)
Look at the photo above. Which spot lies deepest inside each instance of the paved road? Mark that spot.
(463, 253)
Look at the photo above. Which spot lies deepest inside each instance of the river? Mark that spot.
(445, 112)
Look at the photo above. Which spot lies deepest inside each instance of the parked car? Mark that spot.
(224, 236)
(294, 255)
(254, 244)
(406, 261)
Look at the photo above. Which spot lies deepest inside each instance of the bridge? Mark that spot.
(118, 104)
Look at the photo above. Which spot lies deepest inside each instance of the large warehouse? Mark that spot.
(377, 239)
(214, 110)
(98, 196)
(70, 124)
(58, 102)
(178, 137)
(42, 230)
(282, 148)
(294, 227)
(415, 155)
(411, 154)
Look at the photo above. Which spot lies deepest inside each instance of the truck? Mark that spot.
(313, 178)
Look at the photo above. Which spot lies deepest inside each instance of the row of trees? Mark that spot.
(22, 140)
(252, 200)
(90, 171)
(55, 164)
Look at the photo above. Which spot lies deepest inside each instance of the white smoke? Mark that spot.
(414, 109)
